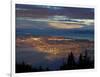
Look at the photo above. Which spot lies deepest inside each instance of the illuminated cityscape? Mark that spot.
(55, 45)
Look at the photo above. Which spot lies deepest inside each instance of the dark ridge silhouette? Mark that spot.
(84, 62)
(22, 68)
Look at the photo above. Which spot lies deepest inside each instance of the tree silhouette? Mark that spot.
(71, 64)
(85, 62)
(47, 69)
(71, 60)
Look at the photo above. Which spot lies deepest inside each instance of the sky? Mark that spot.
(54, 20)
(53, 15)
(45, 11)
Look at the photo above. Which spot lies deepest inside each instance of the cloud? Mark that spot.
(59, 25)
